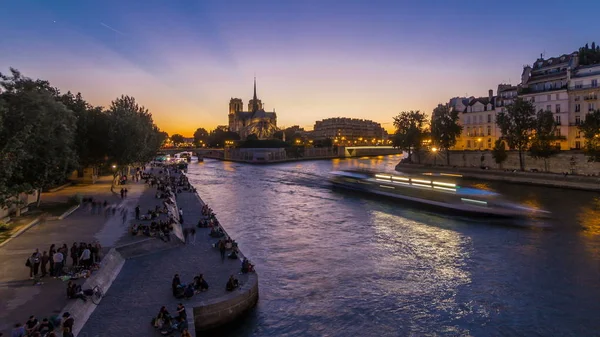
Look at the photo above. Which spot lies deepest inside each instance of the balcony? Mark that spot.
(583, 87)
(590, 97)
(525, 91)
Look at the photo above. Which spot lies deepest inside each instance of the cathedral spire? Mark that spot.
(254, 99)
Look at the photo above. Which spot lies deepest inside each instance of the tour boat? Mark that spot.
(436, 191)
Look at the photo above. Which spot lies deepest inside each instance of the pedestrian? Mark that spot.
(126, 193)
(85, 257)
(45, 259)
(74, 253)
(181, 311)
(65, 251)
(124, 216)
(122, 193)
(51, 253)
(181, 215)
(193, 235)
(137, 212)
(222, 249)
(34, 263)
(186, 231)
(58, 263)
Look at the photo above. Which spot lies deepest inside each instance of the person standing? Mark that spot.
(51, 253)
(222, 249)
(74, 253)
(186, 232)
(193, 235)
(137, 212)
(58, 263)
(181, 215)
(45, 259)
(85, 257)
(122, 193)
(35, 261)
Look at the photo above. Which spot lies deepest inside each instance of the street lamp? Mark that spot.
(434, 150)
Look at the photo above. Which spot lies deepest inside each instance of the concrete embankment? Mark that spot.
(528, 178)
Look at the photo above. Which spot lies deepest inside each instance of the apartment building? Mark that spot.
(349, 131)
(583, 99)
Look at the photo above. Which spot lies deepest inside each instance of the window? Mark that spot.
(481, 130)
(577, 120)
(468, 119)
(557, 118)
(578, 134)
(578, 84)
(594, 83)
(577, 108)
(557, 97)
(480, 119)
(548, 107)
(489, 143)
(489, 130)
(557, 108)
(468, 131)
(577, 145)
(591, 106)
(489, 118)
(557, 133)
(549, 98)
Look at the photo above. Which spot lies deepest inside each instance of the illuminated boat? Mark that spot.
(436, 191)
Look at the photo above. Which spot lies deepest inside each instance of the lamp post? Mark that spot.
(434, 150)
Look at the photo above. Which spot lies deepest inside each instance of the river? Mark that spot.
(332, 263)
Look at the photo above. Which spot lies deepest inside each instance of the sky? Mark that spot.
(313, 59)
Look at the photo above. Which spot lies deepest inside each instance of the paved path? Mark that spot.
(144, 284)
(20, 298)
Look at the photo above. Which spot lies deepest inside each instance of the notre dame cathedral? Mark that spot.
(254, 121)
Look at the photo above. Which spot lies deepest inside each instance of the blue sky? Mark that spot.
(184, 60)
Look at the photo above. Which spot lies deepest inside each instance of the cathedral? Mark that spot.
(254, 121)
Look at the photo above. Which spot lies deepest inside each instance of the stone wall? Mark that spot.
(566, 161)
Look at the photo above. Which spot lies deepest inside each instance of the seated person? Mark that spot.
(163, 318)
(233, 255)
(200, 283)
(232, 283)
(46, 326)
(247, 267)
(134, 229)
(74, 291)
(31, 325)
(189, 291)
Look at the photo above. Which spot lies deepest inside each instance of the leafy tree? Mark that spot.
(499, 152)
(589, 55)
(200, 136)
(445, 128)
(591, 133)
(219, 135)
(409, 131)
(278, 135)
(177, 139)
(516, 125)
(37, 136)
(545, 138)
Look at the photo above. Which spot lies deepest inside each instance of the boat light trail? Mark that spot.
(474, 201)
(444, 184)
(445, 188)
(421, 181)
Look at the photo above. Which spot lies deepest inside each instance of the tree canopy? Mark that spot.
(410, 131)
(177, 139)
(200, 136)
(445, 128)
(589, 55)
(45, 135)
(545, 138)
(590, 128)
(516, 125)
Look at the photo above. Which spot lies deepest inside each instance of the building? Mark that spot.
(478, 119)
(349, 131)
(583, 99)
(545, 84)
(253, 121)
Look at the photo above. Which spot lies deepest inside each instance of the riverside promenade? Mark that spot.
(20, 298)
(144, 283)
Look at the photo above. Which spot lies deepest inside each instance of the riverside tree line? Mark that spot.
(523, 129)
(45, 135)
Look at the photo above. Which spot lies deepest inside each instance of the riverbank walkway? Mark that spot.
(20, 298)
(144, 283)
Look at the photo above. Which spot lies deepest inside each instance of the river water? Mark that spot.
(334, 263)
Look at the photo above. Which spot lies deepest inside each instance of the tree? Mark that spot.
(545, 138)
(591, 133)
(499, 152)
(516, 125)
(177, 139)
(409, 131)
(445, 128)
(200, 136)
(37, 136)
(219, 135)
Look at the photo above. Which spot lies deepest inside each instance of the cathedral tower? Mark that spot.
(235, 105)
(255, 104)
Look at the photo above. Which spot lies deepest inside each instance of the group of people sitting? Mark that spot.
(167, 324)
(181, 290)
(74, 291)
(216, 232)
(48, 327)
(161, 229)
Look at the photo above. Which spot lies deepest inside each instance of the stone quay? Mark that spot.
(143, 284)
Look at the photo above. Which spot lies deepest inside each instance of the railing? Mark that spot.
(529, 90)
(590, 97)
(581, 87)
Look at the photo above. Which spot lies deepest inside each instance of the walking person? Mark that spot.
(186, 232)
(181, 215)
(222, 250)
(58, 263)
(137, 212)
(45, 259)
(51, 253)
(124, 215)
(193, 235)
(74, 253)
(122, 193)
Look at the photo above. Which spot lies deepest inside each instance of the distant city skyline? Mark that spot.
(312, 59)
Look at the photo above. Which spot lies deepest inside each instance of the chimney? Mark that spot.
(491, 94)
